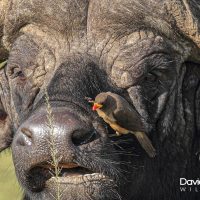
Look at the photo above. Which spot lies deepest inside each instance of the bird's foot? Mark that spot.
(118, 134)
(115, 135)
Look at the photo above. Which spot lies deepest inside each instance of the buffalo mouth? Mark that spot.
(44, 176)
(75, 175)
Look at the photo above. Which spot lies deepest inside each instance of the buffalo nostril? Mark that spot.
(80, 137)
(25, 139)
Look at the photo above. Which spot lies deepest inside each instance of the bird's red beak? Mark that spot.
(96, 106)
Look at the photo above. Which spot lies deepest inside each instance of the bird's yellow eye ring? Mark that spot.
(96, 106)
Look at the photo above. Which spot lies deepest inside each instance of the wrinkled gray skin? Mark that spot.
(147, 51)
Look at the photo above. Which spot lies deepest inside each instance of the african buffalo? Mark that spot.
(60, 51)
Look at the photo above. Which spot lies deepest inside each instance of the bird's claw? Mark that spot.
(115, 135)
(118, 134)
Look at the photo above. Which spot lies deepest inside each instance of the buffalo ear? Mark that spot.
(5, 129)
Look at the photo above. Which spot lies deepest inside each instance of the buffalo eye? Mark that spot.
(3, 115)
(16, 72)
(151, 77)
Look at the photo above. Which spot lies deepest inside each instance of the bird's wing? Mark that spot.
(126, 116)
(111, 117)
(126, 121)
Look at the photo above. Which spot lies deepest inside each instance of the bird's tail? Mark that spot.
(145, 143)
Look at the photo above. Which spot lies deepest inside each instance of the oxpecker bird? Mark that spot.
(122, 118)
